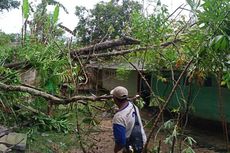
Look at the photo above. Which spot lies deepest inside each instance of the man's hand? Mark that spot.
(117, 148)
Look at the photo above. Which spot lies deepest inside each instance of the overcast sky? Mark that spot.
(11, 22)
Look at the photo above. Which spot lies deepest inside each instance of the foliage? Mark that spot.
(226, 79)
(122, 74)
(213, 21)
(174, 133)
(153, 30)
(188, 150)
(56, 14)
(140, 103)
(107, 20)
(4, 39)
(50, 141)
(25, 8)
(43, 27)
(41, 140)
(50, 63)
(59, 124)
(7, 4)
(45, 54)
(205, 37)
(6, 48)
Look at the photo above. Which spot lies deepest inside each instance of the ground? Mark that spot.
(207, 141)
(99, 139)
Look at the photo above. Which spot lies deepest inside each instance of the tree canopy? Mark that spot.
(8, 4)
(107, 20)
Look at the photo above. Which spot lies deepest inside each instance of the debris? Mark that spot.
(4, 148)
(15, 141)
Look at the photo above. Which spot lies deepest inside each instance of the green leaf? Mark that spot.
(190, 141)
(224, 43)
(25, 9)
(220, 42)
(140, 103)
(168, 124)
(87, 120)
(168, 140)
(56, 14)
(188, 150)
(191, 3)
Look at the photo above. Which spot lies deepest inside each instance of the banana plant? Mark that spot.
(44, 25)
(25, 9)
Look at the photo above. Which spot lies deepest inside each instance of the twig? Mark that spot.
(96, 107)
(174, 11)
(79, 132)
(67, 29)
(141, 76)
(164, 106)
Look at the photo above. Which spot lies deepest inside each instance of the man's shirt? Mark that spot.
(123, 122)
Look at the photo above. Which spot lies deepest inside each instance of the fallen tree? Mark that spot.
(123, 52)
(88, 52)
(47, 96)
(104, 45)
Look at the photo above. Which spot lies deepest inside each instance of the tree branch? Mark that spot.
(104, 45)
(29, 90)
(16, 65)
(67, 29)
(123, 52)
(47, 96)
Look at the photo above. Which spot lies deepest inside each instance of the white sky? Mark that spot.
(11, 22)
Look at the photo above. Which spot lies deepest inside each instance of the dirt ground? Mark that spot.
(207, 141)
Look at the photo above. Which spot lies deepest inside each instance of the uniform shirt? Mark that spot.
(123, 122)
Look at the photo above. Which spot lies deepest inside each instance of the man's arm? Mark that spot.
(119, 136)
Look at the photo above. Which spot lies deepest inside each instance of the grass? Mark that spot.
(50, 142)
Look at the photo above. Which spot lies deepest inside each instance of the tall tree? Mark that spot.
(106, 20)
(7, 4)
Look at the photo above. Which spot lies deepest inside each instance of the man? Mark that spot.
(124, 119)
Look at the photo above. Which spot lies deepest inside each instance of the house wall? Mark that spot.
(204, 99)
(110, 80)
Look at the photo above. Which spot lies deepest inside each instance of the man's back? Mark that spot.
(126, 118)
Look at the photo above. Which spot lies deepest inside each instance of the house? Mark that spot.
(202, 99)
(106, 76)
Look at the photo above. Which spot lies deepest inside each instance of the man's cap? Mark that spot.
(120, 92)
